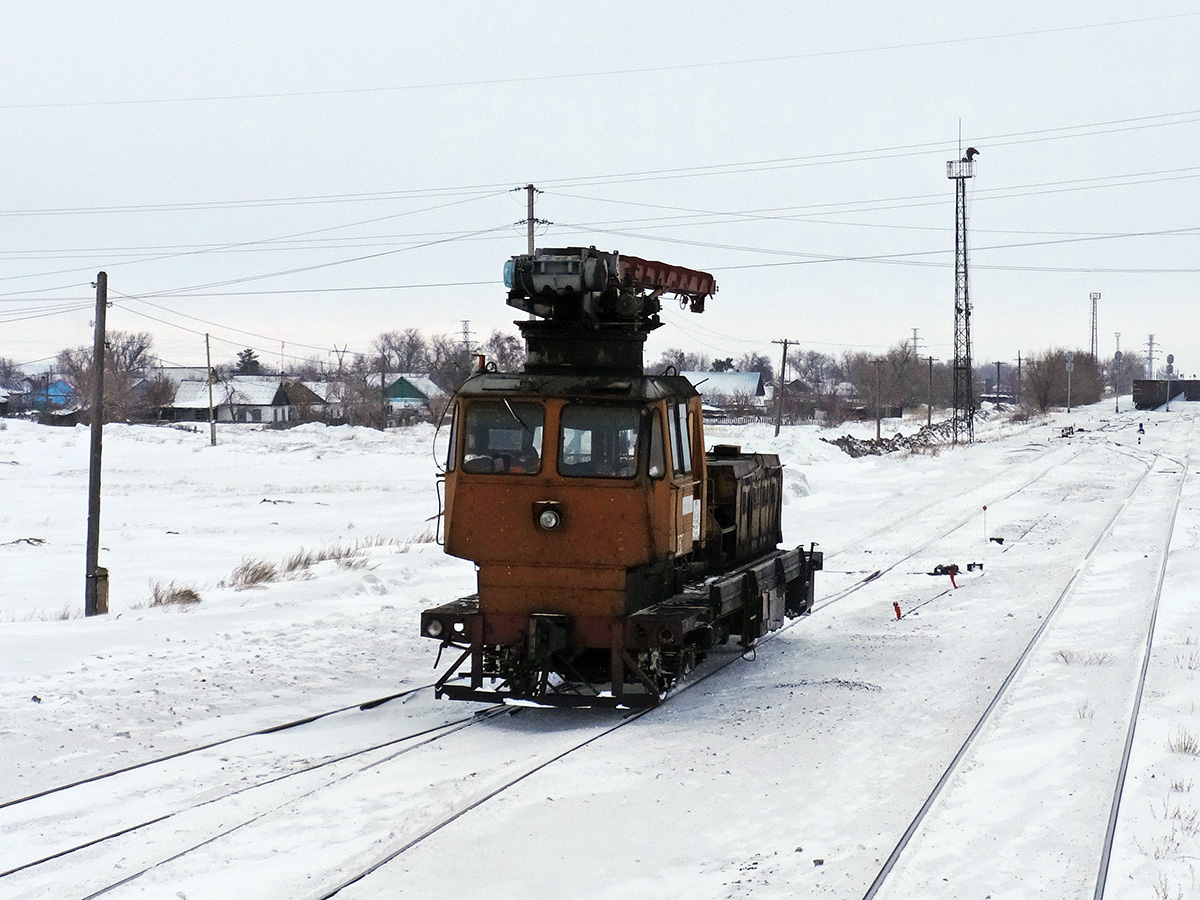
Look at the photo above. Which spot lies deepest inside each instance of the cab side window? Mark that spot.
(681, 444)
(452, 452)
(658, 454)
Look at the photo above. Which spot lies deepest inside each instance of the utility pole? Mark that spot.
(529, 219)
(1095, 342)
(1070, 369)
(530, 222)
(779, 388)
(878, 363)
(212, 420)
(95, 594)
(341, 394)
(1150, 373)
(997, 381)
(964, 377)
(1119, 366)
(383, 397)
(929, 405)
(1018, 398)
(915, 339)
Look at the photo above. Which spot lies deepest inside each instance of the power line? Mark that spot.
(608, 73)
(261, 241)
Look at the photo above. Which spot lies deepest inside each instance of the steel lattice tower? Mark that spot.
(964, 378)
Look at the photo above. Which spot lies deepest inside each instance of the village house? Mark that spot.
(248, 399)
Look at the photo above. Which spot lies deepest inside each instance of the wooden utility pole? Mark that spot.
(212, 420)
(779, 388)
(95, 596)
(878, 363)
(929, 405)
(383, 390)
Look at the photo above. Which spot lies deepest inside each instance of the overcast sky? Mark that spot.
(295, 177)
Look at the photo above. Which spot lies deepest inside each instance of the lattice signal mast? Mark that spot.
(959, 170)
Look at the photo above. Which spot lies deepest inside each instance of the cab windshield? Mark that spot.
(598, 441)
(502, 437)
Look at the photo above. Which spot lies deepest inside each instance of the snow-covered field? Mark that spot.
(794, 774)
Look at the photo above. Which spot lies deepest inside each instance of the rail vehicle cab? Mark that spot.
(611, 550)
(574, 499)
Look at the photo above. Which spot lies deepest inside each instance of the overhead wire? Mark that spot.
(609, 73)
(261, 241)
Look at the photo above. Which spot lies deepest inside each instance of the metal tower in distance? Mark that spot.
(959, 170)
(1095, 296)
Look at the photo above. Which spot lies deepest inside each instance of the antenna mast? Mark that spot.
(964, 379)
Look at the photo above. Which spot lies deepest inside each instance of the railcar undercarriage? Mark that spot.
(650, 650)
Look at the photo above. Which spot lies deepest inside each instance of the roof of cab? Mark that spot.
(634, 387)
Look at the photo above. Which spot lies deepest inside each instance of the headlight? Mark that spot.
(549, 519)
(434, 628)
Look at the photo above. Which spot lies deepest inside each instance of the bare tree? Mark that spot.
(8, 368)
(1046, 378)
(682, 361)
(756, 362)
(128, 361)
(449, 361)
(505, 350)
(404, 351)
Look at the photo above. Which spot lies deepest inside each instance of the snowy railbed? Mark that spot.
(820, 749)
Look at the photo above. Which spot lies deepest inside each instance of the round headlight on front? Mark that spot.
(434, 628)
(549, 519)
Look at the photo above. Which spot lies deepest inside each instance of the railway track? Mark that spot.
(958, 522)
(950, 846)
(390, 823)
(111, 809)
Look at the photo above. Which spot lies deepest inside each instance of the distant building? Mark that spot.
(55, 396)
(731, 396)
(413, 392)
(248, 399)
(16, 395)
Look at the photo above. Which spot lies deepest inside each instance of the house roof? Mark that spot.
(238, 390)
(17, 385)
(179, 374)
(414, 387)
(727, 384)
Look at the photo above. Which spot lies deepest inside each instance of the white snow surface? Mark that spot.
(792, 774)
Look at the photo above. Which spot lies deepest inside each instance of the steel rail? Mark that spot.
(270, 729)
(879, 573)
(629, 718)
(444, 729)
(1111, 830)
(967, 744)
(891, 526)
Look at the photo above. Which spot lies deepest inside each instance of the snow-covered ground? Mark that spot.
(792, 774)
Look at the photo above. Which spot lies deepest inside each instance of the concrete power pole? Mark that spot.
(95, 594)
(1095, 340)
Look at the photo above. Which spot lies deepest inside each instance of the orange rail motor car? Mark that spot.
(612, 551)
